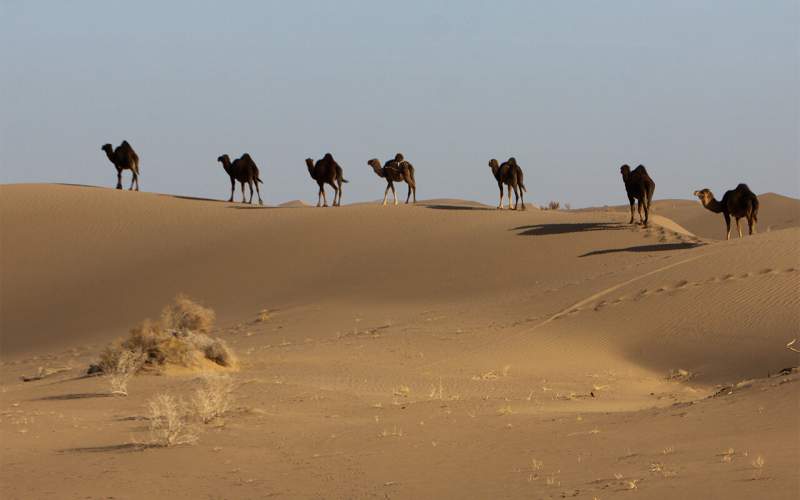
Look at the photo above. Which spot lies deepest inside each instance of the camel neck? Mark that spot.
(714, 205)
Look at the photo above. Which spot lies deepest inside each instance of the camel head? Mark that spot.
(224, 159)
(108, 148)
(310, 166)
(494, 166)
(705, 196)
(376, 166)
(625, 170)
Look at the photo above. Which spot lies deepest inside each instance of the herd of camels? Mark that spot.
(737, 203)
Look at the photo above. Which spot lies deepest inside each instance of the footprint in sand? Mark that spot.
(767, 271)
(681, 284)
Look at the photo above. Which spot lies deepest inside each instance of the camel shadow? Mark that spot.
(571, 227)
(456, 207)
(661, 247)
(251, 207)
(80, 395)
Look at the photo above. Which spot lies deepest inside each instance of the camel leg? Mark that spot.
(259, 193)
(500, 206)
(242, 185)
(727, 226)
(751, 223)
(119, 178)
(739, 228)
(394, 193)
(233, 189)
(632, 202)
(324, 198)
(639, 209)
(385, 195)
(250, 185)
(339, 203)
(408, 196)
(646, 213)
(337, 194)
(516, 197)
(509, 196)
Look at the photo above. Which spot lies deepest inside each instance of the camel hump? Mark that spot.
(743, 187)
(641, 169)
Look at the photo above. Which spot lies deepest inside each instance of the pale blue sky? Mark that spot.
(705, 93)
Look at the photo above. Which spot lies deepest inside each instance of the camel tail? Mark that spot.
(258, 179)
(519, 181)
(344, 180)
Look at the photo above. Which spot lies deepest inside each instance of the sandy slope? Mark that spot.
(444, 349)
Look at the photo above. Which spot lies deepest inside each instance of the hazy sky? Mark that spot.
(704, 93)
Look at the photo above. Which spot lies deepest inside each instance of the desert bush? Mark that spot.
(169, 422)
(177, 339)
(553, 205)
(128, 362)
(185, 314)
(214, 398)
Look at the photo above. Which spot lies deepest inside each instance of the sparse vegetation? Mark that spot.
(128, 362)
(169, 424)
(178, 338)
(213, 399)
(263, 315)
(553, 205)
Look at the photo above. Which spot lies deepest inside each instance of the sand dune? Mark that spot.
(445, 349)
(775, 212)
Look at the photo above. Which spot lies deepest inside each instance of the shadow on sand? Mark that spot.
(80, 395)
(126, 448)
(576, 227)
(456, 207)
(645, 248)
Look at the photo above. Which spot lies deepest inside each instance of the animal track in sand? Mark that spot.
(682, 285)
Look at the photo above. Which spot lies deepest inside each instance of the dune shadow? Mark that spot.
(456, 207)
(80, 395)
(570, 227)
(81, 185)
(661, 247)
(125, 448)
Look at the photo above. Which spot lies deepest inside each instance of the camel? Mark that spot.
(395, 170)
(123, 158)
(510, 174)
(640, 187)
(327, 171)
(739, 202)
(242, 169)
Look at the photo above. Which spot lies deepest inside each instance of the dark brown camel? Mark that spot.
(123, 158)
(640, 187)
(510, 174)
(242, 169)
(737, 203)
(327, 171)
(395, 170)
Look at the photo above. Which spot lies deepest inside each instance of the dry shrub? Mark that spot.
(185, 314)
(168, 422)
(179, 338)
(127, 364)
(553, 205)
(213, 399)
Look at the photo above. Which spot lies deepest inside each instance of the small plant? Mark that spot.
(553, 205)
(213, 399)
(758, 466)
(263, 316)
(185, 314)
(126, 365)
(168, 422)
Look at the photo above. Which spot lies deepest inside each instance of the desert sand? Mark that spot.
(443, 350)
